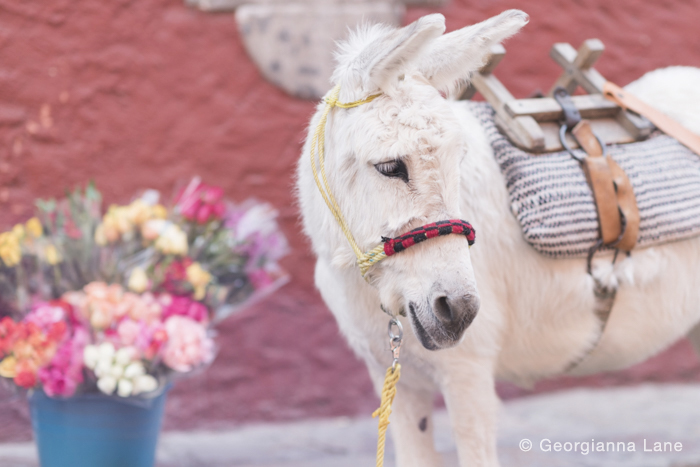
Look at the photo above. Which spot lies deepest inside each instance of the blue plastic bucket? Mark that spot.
(93, 430)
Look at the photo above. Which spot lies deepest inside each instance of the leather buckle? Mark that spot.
(571, 114)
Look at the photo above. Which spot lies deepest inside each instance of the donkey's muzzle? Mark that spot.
(442, 323)
(455, 314)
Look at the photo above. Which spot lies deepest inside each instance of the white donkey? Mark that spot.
(411, 157)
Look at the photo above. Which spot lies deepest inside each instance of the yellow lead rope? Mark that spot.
(376, 254)
(364, 260)
(388, 392)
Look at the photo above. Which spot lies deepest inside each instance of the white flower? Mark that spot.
(259, 218)
(153, 228)
(125, 355)
(90, 356)
(145, 383)
(107, 384)
(103, 368)
(117, 371)
(106, 351)
(134, 369)
(125, 388)
(150, 197)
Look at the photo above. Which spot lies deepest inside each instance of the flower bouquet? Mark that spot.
(102, 309)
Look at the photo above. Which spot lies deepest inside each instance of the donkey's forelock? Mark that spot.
(374, 57)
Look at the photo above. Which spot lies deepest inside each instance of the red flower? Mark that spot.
(185, 306)
(175, 281)
(26, 375)
(7, 335)
(57, 331)
(201, 203)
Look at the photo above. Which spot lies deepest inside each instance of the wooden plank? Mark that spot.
(589, 52)
(608, 129)
(497, 54)
(592, 82)
(574, 74)
(563, 54)
(547, 109)
(524, 129)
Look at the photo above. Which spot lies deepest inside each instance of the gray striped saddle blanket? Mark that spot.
(552, 201)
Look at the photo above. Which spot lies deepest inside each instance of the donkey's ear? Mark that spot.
(374, 57)
(454, 56)
(401, 47)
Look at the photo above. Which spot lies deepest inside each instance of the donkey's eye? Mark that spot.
(395, 169)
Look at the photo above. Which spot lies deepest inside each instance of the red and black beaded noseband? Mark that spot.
(436, 229)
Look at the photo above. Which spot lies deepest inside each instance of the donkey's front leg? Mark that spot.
(468, 387)
(411, 423)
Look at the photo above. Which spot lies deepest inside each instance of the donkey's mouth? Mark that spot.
(420, 331)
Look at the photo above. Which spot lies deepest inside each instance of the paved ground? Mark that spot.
(655, 413)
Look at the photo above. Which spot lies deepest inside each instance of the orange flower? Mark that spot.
(7, 335)
(102, 303)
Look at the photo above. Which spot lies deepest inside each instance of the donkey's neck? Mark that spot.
(484, 197)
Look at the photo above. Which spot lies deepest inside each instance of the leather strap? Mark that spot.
(627, 203)
(612, 191)
(600, 179)
(662, 121)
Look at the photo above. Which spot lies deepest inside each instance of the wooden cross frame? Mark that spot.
(533, 124)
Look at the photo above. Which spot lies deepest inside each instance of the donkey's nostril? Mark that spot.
(456, 311)
(442, 310)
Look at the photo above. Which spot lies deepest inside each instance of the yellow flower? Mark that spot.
(8, 366)
(109, 229)
(138, 212)
(53, 257)
(172, 241)
(100, 237)
(10, 250)
(138, 280)
(18, 231)
(122, 219)
(159, 212)
(34, 227)
(199, 278)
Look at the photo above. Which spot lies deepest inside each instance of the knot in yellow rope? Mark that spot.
(388, 392)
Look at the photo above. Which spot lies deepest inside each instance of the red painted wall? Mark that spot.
(138, 94)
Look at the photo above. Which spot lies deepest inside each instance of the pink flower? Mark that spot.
(128, 331)
(201, 203)
(142, 307)
(62, 376)
(188, 345)
(185, 306)
(45, 314)
(147, 338)
(260, 279)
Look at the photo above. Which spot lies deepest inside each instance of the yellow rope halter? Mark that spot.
(364, 260)
(376, 254)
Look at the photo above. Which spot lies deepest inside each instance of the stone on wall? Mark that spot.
(292, 44)
(230, 5)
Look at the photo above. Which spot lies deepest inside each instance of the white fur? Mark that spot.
(536, 313)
